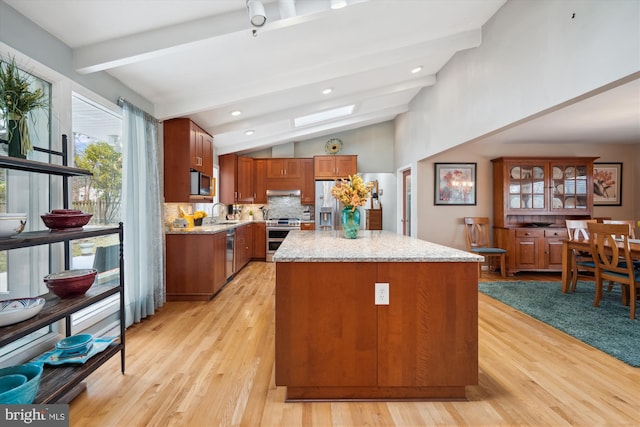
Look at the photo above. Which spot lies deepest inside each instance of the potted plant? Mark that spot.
(16, 101)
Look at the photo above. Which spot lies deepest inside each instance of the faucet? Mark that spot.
(214, 207)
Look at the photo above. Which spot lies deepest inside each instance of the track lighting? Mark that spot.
(257, 15)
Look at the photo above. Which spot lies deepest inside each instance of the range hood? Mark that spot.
(283, 193)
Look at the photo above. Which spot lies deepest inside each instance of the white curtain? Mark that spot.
(143, 233)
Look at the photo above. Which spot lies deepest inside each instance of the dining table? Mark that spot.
(568, 247)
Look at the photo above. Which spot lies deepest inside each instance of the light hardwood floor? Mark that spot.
(211, 364)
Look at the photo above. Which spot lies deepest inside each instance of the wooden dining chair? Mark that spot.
(582, 264)
(611, 254)
(632, 225)
(478, 242)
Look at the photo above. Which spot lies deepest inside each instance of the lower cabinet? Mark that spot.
(195, 266)
(244, 245)
(259, 241)
(532, 249)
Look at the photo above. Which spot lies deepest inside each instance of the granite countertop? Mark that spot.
(370, 246)
(208, 229)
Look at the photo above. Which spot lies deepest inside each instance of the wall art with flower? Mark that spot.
(455, 183)
(607, 184)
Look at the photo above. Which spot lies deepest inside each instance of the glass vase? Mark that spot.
(350, 222)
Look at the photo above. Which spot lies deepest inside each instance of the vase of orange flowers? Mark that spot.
(352, 193)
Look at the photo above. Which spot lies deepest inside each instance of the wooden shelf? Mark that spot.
(58, 380)
(54, 310)
(43, 237)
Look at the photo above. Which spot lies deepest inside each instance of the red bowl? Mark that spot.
(65, 221)
(65, 211)
(69, 283)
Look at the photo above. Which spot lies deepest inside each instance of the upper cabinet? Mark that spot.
(260, 180)
(525, 187)
(283, 168)
(308, 188)
(334, 166)
(186, 147)
(236, 179)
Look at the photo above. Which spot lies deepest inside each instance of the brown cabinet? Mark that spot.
(374, 219)
(308, 187)
(236, 179)
(532, 197)
(186, 147)
(260, 181)
(259, 241)
(283, 168)
(243, 245)
(353, 348)
(307, 226)
(334, 167)
(195, 266)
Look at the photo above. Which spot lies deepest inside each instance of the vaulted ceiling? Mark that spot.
(204, 60)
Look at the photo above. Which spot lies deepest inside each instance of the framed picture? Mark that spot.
(607, 184)
(455, 183)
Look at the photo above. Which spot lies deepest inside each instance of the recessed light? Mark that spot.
(236, 113)
(249, 132)
(324, 115)
(416, 70)
(327, 91)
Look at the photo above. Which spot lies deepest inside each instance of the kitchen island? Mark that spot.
(333, 342)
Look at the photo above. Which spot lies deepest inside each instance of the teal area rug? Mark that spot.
(607, 327)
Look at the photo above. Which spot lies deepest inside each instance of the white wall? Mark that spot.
(533, 56)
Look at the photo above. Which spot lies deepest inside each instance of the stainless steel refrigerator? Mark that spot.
(328, 209)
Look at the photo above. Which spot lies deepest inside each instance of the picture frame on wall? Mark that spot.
(455, 184)
(607, 184)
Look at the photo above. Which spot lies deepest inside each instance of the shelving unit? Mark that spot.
(58, 382)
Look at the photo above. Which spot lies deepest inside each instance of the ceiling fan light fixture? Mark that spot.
(338, 4)
(257, 15)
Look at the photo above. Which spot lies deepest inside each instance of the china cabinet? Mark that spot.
(58, 382)
(532, 197)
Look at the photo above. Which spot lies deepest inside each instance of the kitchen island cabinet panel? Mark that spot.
(427, 335)
(326, 332)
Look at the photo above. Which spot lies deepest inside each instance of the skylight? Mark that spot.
(323, 116)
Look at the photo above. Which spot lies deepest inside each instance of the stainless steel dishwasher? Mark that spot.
(230, 266)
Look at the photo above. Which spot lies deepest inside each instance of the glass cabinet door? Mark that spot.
(569, 182)
(527, 188)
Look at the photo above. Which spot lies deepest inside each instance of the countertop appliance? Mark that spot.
(230, 266)
(277, 230)
(328, 208)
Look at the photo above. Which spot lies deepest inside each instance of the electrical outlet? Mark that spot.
(382, 294)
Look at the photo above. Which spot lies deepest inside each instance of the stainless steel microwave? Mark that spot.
(200, 184)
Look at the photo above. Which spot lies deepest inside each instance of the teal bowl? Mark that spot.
(26, 392)
(11, 381)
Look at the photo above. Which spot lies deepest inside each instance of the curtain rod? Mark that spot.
(122, 102)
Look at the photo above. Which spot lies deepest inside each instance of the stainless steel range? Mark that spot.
(277, 230)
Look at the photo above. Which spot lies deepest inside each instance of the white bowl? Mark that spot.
(12, 224)
(16, 310)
